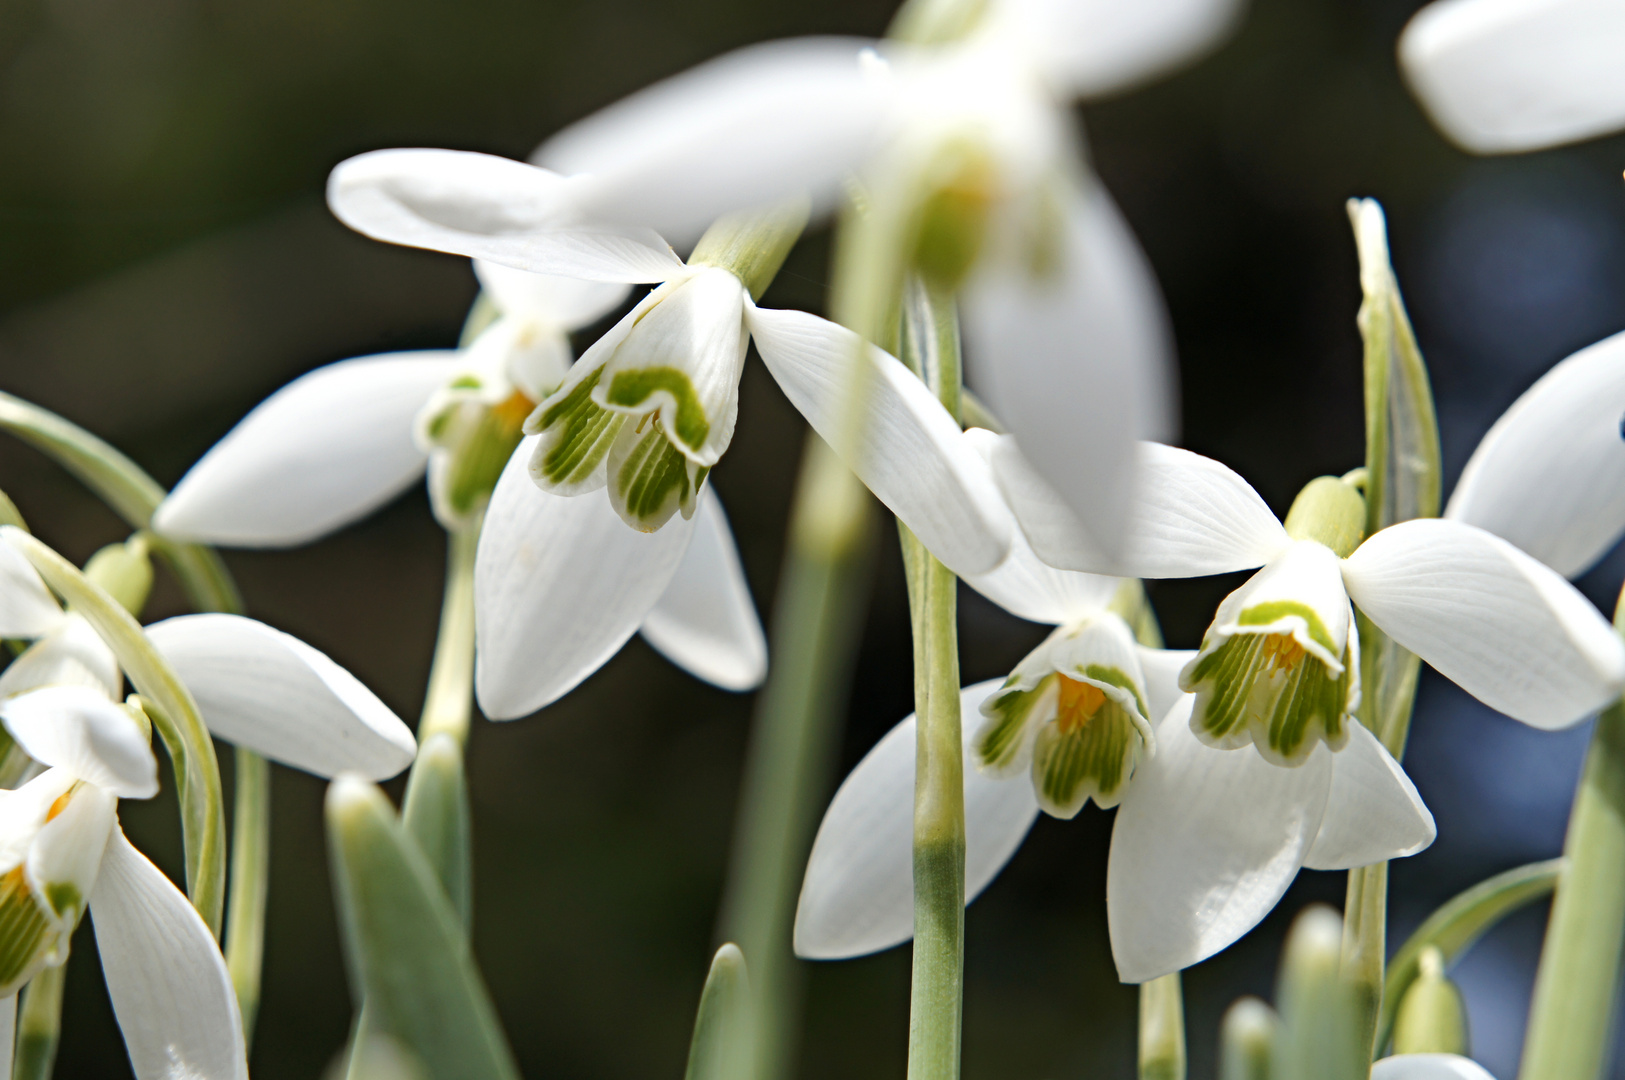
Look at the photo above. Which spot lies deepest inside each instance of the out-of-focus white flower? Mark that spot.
(966, 145)
(1501, 76)
(1550, 474)
(334, 445)
(1429, 1067)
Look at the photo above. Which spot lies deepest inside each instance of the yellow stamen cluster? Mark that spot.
(1077, 704)
(1280, 652)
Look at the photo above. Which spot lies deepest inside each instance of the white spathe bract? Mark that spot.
(170, 988)
(1550, 474)
(1206, 841)
(560, 584)
(1501, 76)
(1503, 626)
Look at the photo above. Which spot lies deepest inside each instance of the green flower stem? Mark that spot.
(249, 883)
(794, 732)
(1162, 1029)
(1570, 1020)
(449, 702)
(1454, 927)
(39, 1024)
(173, 712)
(1402, 481)
(930, 340)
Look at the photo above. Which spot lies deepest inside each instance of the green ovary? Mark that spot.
(1267, 689)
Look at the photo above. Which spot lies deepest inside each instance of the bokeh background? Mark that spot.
(166, 261)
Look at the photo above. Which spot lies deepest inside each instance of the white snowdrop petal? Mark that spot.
(705, 622)
(1506, 628)
(325, 450)
(566, 302)
(171, 992)
(1500, 76)
(1550, 475)
(1429, 1067)
(1078, 364)
(1373, 813)
(560, 583)
(71, 654)
(760, 124)
(27, 608)
(1206, 843)
(492, 208)
(83, 732)
(1191, 516)
(1091, 47)
(1161, 668)
(911, 455)
(858, 894)
(268, 691)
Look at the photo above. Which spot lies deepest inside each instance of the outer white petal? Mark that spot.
(1161, 668)
(82, 732)
(270, 692)
(1079, 363)
(23, 811)
(1508, 629)
(72, 654)
(758, 125)
(170, 988)
(492, 208)
(1206, 843)
(1429, 1067)
(1550, 475)
(705, 621)
(566, 302)
(27, 608)
(1096, 46)
(858, 895)
(1373, 813)
(912, 454)
(560, 583)
(1508, 75)
(1190, 516)
(1025, 585)
(325, 450)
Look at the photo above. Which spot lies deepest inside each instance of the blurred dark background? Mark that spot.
(167, 261)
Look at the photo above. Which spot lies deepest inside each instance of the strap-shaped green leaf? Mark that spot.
(407, 955)
(724, 1027)
(1454, 927)
(436, 815)
(173, 712)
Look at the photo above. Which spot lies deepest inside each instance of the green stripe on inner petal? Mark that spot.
(1273, 611)
(998, 743)
(1268, 690)
(650, 479)
(632, 390)
(1088, 751)
(576, 434)
(25, 933)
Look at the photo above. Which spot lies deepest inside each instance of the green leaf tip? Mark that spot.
(724, 1027)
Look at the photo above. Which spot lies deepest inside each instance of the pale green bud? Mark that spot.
(1247, 1040)
(125, 571)
(1432, 1018)
(1319, 1037)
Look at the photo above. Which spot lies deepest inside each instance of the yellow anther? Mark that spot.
(1078, 703)
(1282, 651)
(513, 411)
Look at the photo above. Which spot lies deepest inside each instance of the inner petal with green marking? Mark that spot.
(576, 435)
(649, 480)
(1088, 750)
(1267, 689)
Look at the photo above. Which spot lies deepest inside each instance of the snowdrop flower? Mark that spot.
(255, 686)
(1429, 1067)
(61, 852)
(964, 146)
(1502, 76)
(334, 445)
(1550, 474)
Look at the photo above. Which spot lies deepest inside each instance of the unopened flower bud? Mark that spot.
(1432, 1018)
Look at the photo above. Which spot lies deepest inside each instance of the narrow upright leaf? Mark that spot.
(725, 1028)
(436, 816)
(406, 952)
